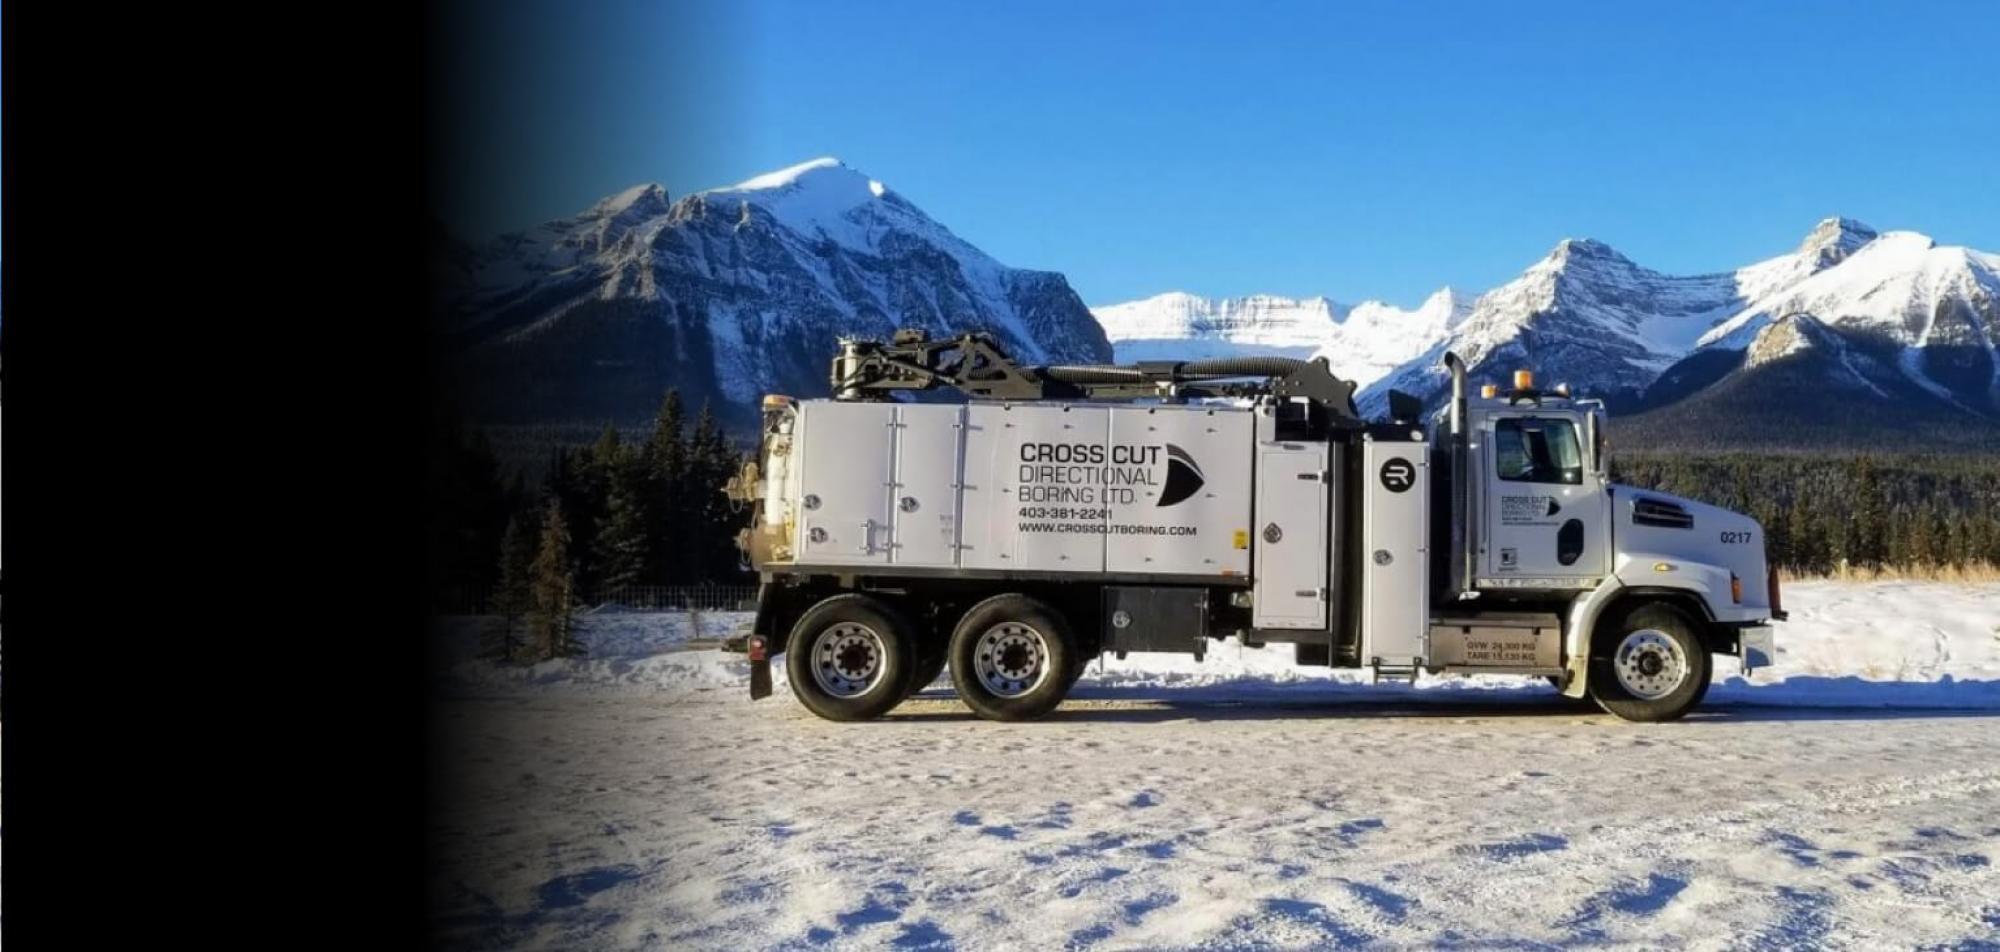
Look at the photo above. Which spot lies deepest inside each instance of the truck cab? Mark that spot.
(1646, 584)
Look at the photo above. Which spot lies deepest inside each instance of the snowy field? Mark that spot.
(636, 799)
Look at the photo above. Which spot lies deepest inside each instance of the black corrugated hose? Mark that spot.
(1192, 370)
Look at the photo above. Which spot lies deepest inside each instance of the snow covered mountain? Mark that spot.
(727, 294)
(1802, 384)
(1587, 315)
(1893, 317)
(1891, 345)
(1361, 343)
(1895, 304)
(733, 292)
(1934, 310)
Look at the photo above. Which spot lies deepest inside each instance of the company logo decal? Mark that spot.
(1184, 477)
(1398, 474)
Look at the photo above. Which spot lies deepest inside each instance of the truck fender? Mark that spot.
(1690, 585)
(1584, 611)
(1709, 584)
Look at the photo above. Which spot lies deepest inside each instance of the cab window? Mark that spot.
(1531, 450)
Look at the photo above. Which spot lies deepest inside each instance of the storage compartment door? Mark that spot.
(1290, 537)
(1031, 501)
(925, 494)
(844, 493)
(1173, 486)
(1395, 534)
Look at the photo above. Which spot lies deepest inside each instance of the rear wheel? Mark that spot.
(850, 658)
(1650, 665)
(1011, 658)
(1081, 664)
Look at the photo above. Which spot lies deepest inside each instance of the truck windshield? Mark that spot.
(1532, 450)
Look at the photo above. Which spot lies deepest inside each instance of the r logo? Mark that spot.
(1398, 475)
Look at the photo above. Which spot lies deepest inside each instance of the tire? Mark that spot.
(1082, 664)
(1650, 665)
(1707, 680)
(1013, 658)
(850, 658)
(930, 664)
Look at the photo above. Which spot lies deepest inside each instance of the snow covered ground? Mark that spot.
(636, 798)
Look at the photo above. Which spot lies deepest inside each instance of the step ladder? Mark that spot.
(1390, 669)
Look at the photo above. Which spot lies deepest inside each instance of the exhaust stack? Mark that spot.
(1462, 516)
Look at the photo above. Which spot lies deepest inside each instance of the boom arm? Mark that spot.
(974, 364)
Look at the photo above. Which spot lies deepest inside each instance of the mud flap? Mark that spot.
(760, 669)
(1757, 646)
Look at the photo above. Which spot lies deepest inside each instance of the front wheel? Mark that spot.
(1011, 658)
(1650, 665)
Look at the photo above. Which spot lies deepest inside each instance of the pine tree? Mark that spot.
(666, 457)
(1867, 518)
(589, 510)
(1984, 536)
(624, 539)
(515, 595)
(466, 509)
(568, 483)
(711, 461)
(1896, 537)
(1843, 539)
(1940, 532)
(1958, 540)
(1740, 481)
(550, 624)
(667, 449)
(1924, 550)
(1810, 554)
(1776, 521)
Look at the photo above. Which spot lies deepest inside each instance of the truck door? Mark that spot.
(1546, 518)
(1291, 536)
(1395, 540)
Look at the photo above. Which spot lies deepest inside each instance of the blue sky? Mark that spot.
(1354, 150)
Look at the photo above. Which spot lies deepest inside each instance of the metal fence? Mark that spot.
(640, 598)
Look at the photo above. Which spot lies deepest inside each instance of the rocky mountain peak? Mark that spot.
(1833, 239)
(637, 202)
(1584, 250)
(1786, 336)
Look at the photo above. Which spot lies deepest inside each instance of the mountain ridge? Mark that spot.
(727, 294)
(1586, 314)
(732, 292)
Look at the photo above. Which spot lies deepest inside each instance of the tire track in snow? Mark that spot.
(1662, 847)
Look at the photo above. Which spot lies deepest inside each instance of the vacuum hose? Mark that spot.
(1244, 367)
(1093, 374)
(1191, 370)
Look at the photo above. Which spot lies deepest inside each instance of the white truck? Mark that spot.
(1062, 512)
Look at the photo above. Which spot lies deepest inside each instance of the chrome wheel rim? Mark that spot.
(848, 659)
(1011, 659)
(1650, 664)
